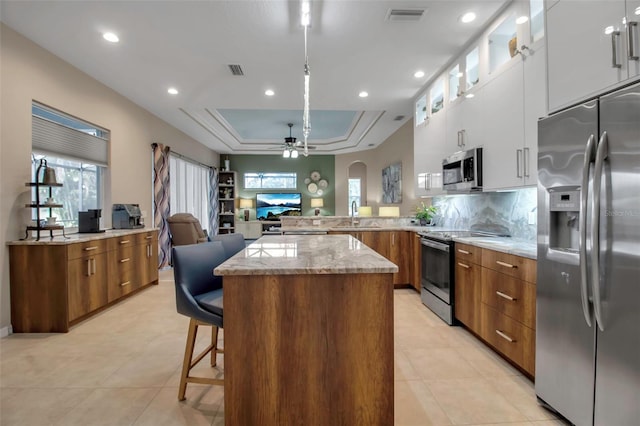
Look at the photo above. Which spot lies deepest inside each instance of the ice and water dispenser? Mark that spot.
(564, 220)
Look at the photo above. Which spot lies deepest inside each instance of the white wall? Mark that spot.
(398, 148)
(29, 73)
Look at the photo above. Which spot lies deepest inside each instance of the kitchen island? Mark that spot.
(308, 332)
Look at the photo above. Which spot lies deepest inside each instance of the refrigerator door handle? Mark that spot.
(601, 156)
(589, 157)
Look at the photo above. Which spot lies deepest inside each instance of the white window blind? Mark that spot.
(63, 140)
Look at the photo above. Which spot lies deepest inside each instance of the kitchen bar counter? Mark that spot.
(308, 333)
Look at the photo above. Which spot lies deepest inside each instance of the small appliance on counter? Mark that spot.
(89, 221)
(126, 216)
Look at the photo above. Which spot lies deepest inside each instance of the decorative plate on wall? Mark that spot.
(315, 176)
(323, 183)
(319, 192)
(307, 181)
(312, 188)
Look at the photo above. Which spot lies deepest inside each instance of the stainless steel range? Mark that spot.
(438, 271)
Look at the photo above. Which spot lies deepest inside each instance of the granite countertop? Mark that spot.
(306, 254)
(355, 228)
(58, 239)
(507, 245)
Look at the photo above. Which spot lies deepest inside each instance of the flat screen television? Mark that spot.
(275, 204)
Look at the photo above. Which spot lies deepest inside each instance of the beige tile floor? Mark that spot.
(122, 367)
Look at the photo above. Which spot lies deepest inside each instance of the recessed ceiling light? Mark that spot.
(269, 92)
(110, 37)
(418, 74)
(459, 75)
(363, 94)
(522, 19)
(608, 30)
(172, 91)
(469, 95)
(637, 11)
(468, 17)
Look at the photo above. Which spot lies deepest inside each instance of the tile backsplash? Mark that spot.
(515, 210)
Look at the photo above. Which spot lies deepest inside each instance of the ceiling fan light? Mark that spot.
(294, 153)
(286, 153)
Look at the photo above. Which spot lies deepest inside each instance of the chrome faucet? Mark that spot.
(353, 212)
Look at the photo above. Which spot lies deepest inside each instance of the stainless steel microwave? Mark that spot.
(462, 171)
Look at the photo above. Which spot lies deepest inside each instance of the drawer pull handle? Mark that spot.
(463, 265)
(504, 336)
(508, 265)
(125, 283)
(149, 237)
(91, 248)
(126, 259)
(463, 251)
(506, 296)
(124, 241)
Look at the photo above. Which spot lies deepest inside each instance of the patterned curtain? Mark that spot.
(161, 191)
(213, 200)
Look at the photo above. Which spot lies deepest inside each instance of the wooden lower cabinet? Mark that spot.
(393, 245)
(513, 339)
(86, 285)
(54, 286)
(495, 297)
(467, 292)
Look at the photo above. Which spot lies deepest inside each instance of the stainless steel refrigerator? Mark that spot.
(588, 287)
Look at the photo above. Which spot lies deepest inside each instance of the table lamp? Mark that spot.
(317, 203)
(389, 211)
(365, 211)
(246, 203)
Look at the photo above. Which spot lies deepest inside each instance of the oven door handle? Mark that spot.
(435, 245)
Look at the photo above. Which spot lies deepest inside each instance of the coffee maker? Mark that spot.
(89, 221)
(126, 216)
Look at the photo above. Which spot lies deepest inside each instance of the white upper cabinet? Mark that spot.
(428, 151)
(504, 135)
(588, 48)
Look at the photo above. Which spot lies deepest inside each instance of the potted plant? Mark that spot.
(425, 213)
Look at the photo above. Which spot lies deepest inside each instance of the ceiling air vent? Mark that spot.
(236, 69)
(405, 15)
(398, 118)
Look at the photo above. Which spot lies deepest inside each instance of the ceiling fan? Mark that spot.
(291, 146)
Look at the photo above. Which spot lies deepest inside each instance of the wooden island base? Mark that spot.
(309, 349)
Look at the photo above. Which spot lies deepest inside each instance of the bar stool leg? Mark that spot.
(188, 355)
(214, 343)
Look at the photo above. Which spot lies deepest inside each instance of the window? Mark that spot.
(473, 76)
(503, 43)
(537, 19)
(81, 188)
(354, 193)
(78, 151)
(454, 82)
(189, 188)
(437, 96)
(421, 110)
(272, 180)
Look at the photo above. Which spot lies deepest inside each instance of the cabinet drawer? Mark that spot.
(116, 243)
(122, 259)
(87, 248)
(512, 339)
(122, 282)
(510, 296)
(466, 253)
(144, 237)
(516, 266)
